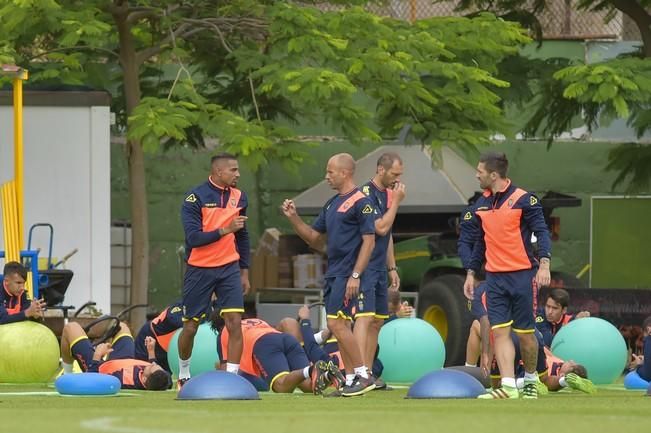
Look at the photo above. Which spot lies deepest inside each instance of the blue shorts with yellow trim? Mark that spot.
(334, 295)
(510, 299)
(82, 350)
(200, 283)
(373, 299)
(477, 308)
(277, 354)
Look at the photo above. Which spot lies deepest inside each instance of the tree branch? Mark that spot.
(78, 48)
(641, 18)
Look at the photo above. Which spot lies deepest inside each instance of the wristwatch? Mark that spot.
(355, 275)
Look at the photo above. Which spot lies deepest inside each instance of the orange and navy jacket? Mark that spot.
(128, 371)
(12, 308)
(206, 209)
(549, 329)
(252, 330)
(506, 221)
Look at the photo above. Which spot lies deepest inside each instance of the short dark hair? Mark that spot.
(580, 371)
(646, 323)
(387, 159)
(15, 268)
(495, 162)
(222, 155)
(561, 296)
(159, 380)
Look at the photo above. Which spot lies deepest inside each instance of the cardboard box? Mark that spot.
(268, 243)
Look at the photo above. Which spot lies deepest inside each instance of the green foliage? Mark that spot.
(247, 68)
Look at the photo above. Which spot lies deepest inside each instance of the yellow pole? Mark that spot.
(18, 154)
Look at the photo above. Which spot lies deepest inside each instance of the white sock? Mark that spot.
(530, 377)
(361, 372)
(232, 368)
(306, 372)
(519, 382)
(318, 337)
(470, 365)
(562, 382)
(508, 381)
(349, 379)
(184, 368)
(67, 368)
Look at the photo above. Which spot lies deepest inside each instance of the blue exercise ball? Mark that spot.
(594, 343)
(204, 351)
(218, 385)
(409, 348)
(446, 383)
(87, 384)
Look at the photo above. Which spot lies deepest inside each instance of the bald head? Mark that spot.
(343, 161)
(339, 172)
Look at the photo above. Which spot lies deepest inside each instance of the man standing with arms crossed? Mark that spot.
(348, 219)
(385, 192)
(506, 218)
(217, 248)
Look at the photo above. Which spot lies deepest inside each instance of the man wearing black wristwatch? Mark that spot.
(348, 218)
(386, 192)
(506, 216)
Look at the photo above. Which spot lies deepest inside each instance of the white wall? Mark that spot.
(67, 184)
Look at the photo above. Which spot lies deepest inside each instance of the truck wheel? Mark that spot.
(442, 304)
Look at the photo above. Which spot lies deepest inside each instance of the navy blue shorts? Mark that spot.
(200, 283)
(477, 308)
(82, 350)
(510, 297)
(278, 354)
(334, 295)
(373, 295)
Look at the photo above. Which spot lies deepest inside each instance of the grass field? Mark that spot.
(40, 409)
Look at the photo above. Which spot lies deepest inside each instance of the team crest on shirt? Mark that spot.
(510, 202)
(233, 202)
(175, 310)
(366, 190)
(539, 319)
(367, 209)
(533, 201)
(191, 198)
(467, 216)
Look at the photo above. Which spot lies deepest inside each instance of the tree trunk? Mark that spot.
(137, 185)
(641, 18)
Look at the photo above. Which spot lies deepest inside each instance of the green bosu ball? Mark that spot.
(29, 353)
(409, 348)
(594, 343)
(204, 351)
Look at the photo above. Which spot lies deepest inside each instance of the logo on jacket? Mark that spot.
(533, 201)
(467, 216)
(367, 209)
(233, 202)
(366, 190)
(191, 198)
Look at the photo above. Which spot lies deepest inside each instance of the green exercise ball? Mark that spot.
(409, 348)
(204, 351)
(594, 343)
(29, 353)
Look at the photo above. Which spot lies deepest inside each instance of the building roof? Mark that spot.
(430, 189)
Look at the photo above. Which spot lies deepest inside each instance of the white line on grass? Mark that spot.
(112, 425)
